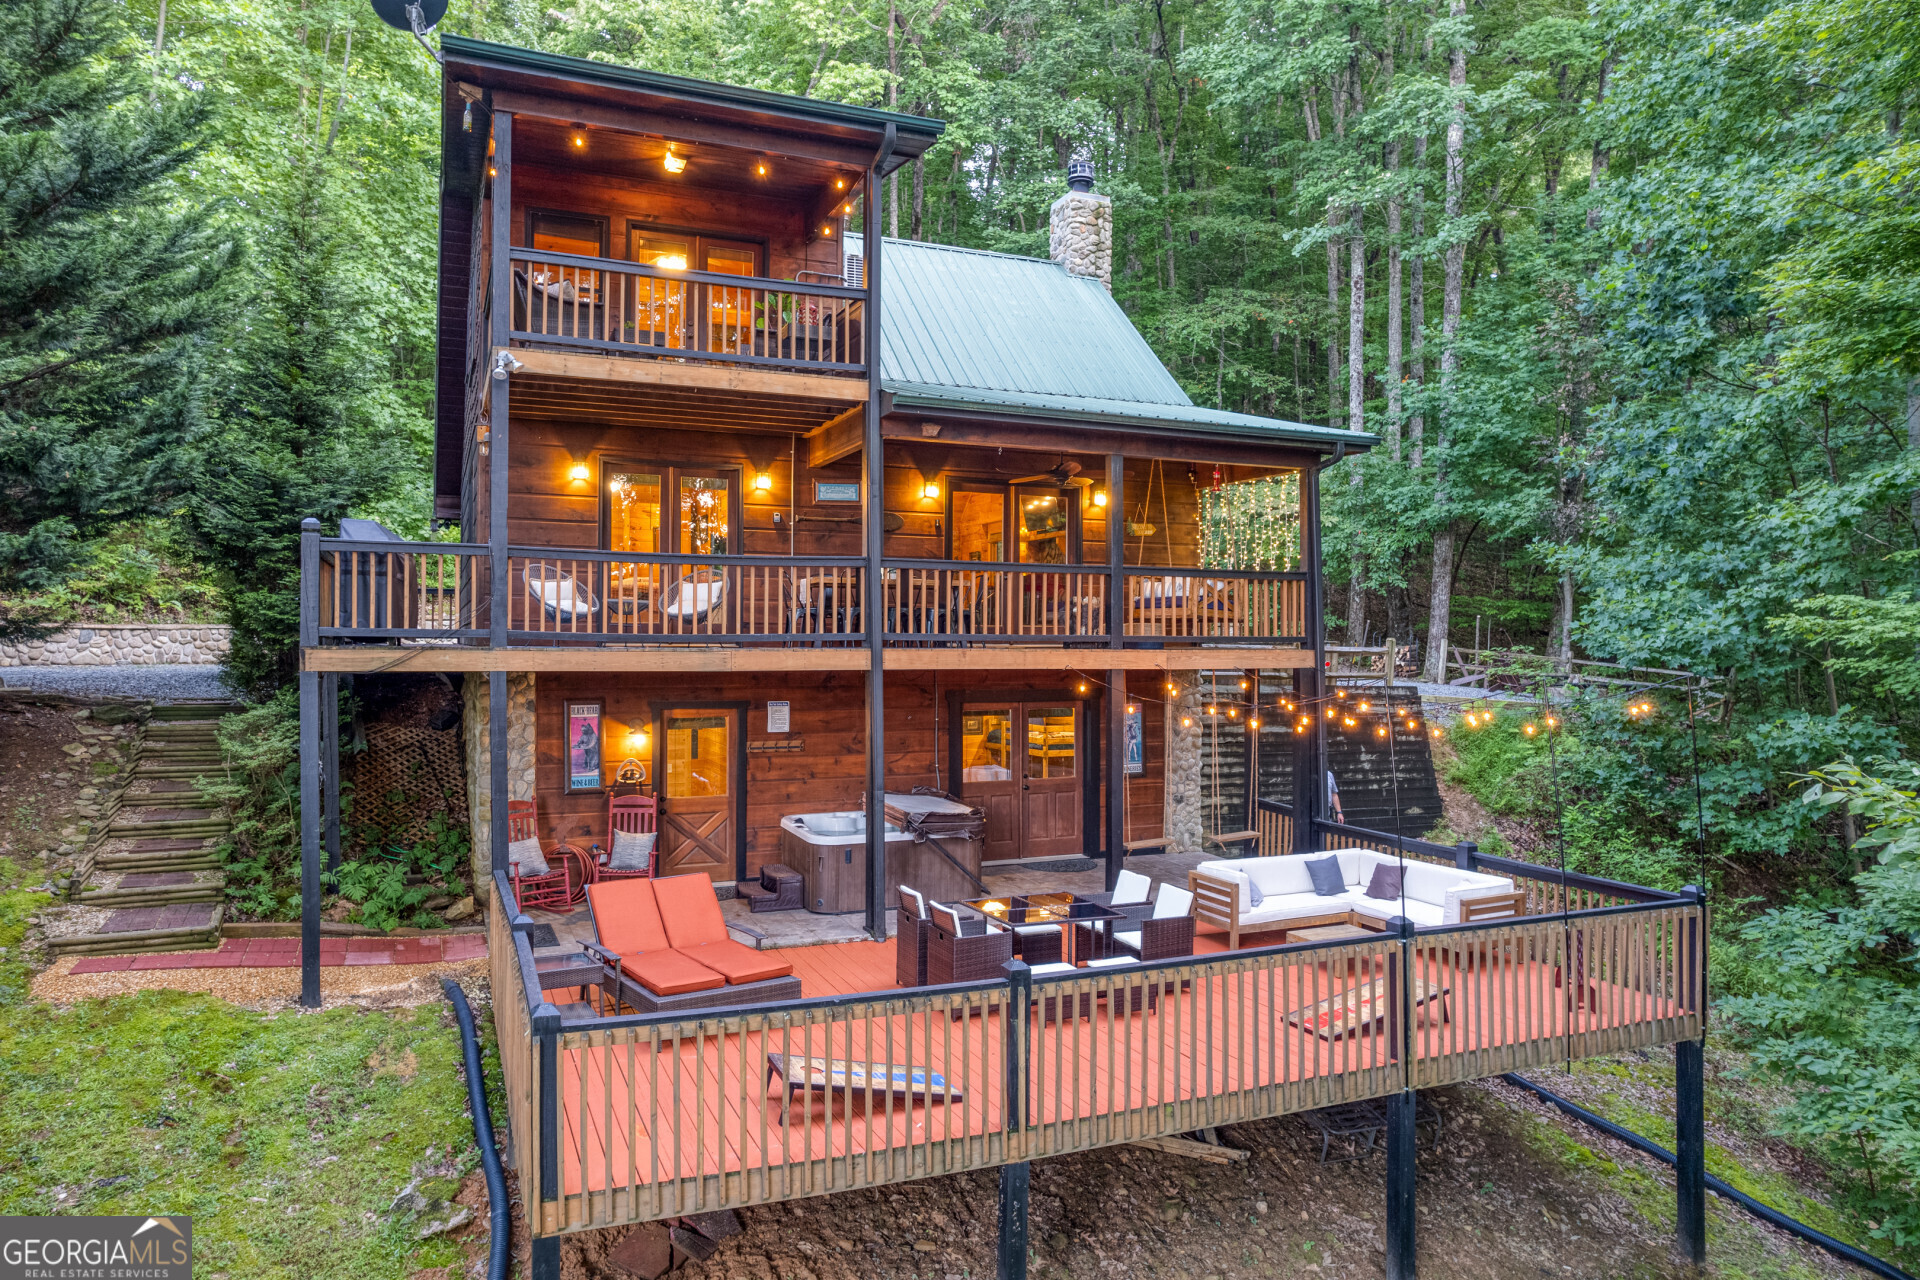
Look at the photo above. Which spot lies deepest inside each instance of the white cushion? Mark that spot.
(1437, 889)
(1172, 902)
(1424, 914)
(1279, 875)
(1112, 962)
(1130, 887)
(527, 853)
(1464, 892)
(1131, 939)
(632, 850)
(1024, 929)
(1051, 970)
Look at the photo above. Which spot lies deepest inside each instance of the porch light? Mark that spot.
(1186, 722)
(762, 482)
(1212, 710)
(827, 232)
(930, 491)
(672, 262)
(1133, 709)
(579, 137)
(580, 473)
(1099, 497)
(1172, 688)
(1253, 724)
(1083, 686)
(760, 169)
(839, 184)
(1364, 708)
(671, 162)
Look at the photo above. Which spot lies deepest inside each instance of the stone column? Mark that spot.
(1182, 826)
(520, 758)
(1081, 228)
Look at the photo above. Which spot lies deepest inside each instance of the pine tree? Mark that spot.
(107, 288)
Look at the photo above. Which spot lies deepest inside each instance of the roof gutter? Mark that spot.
(1325, 439)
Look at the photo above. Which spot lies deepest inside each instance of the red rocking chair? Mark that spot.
(637, 815)
(566, 879)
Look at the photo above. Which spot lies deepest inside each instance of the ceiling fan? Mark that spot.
(1063, 473)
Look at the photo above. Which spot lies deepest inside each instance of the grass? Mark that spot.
(16, 904)
(286, 1136)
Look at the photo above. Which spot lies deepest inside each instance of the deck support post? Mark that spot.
(1116, 680)
(546, 1258)
(330, 765)
(1400, 1185)
(1690, 1152)
(1309, 686)
(1014, 1182)
(497, 794)
(873, 482)
(310, 712)
(544, 1024)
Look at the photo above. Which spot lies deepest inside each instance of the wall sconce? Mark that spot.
(826, 233)
(579, 137)
(671, 162)
(762, 482)
(580, 474)
(839, 184)
(760, 169)
(1099, 497)
(930, 491)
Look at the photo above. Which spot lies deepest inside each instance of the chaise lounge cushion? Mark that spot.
(695, 928)
(669, 973)
(627, 918)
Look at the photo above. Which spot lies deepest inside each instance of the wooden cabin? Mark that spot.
(775, 520)
(764, 513)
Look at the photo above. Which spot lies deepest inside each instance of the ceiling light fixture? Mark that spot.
(671, 162)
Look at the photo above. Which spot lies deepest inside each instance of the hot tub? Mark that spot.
(829, 850)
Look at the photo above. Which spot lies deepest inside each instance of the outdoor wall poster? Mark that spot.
(583, 746)
(1135, 743)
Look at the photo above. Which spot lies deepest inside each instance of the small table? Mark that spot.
(575, 969)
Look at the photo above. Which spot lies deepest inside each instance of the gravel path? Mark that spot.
(161, 682)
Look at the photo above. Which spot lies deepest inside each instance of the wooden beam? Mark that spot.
(813, 146)
(1195, 1150)
(833, 440)
(655, 372)
(1057, 436)
(1004, 657)
(689, 659)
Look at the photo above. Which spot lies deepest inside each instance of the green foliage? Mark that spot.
(16, 903)
(390, 883)
(1833, 1017)
(1885, 792)
(1871, 639)
(286, 1137)
(260, 790)
(109, 283)
(141, 570)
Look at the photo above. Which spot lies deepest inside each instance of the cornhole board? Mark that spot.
(1363, 1006)
(838, 1075)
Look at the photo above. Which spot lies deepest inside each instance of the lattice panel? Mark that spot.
(405, 776)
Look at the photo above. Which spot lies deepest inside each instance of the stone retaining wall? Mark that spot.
(111, 644)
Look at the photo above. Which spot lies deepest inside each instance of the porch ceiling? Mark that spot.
(667, 658)
(677, 404)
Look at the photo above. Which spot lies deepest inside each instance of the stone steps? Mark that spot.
(147, 929)
(156, 896)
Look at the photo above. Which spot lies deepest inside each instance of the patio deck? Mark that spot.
(654, 1117)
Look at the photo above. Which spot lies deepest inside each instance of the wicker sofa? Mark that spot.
(1434, 895)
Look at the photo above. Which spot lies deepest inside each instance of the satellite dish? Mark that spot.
(394, 13)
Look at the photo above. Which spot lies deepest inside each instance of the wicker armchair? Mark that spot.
(970, 948)
(910, 945)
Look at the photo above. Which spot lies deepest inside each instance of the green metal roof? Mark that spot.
(464, 49)
(968, 329)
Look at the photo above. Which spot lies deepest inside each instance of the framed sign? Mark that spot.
(583, 746)
(779, 716)
(1135, 743)
(836, 491)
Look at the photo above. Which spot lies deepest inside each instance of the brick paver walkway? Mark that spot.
(277, 953)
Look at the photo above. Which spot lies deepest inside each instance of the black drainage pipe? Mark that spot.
(497, 1205)
(1765, 1213)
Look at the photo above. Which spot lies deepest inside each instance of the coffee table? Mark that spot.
(1064, 909)
(1330, 933)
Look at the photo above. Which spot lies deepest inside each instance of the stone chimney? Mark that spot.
(1081, 227)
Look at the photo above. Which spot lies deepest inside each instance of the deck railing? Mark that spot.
(634, 1118)
(941, 600)
(1215, 604)
(609, 596)
(421, 591)
(624, 307)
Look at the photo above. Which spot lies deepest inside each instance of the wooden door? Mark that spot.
(700, 792)
(990, 773)
(1050, 799)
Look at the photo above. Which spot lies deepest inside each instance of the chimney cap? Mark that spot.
(1080, 175)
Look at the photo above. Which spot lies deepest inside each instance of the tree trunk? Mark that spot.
(1395, 361)
(1356, 324)
(1310, 108)
(1417, 309)
(1847, 831)
(1598, 174)
(1913, 442)
(1440, 611)
(919, 193)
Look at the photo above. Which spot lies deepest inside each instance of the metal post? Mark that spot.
(873, 481)
(1015, 1177)
(1308, 784)
(497, 795)
(330, 765)
(545, 1026)
(497, 438)
(1464, 854)
(1690, 1103)
(1310, 804)
(310, 839)
(1116, 679)
(1400, 1185)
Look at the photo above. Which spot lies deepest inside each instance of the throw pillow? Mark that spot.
(632, 851)
(1385, 883)
(527, 854)
(1327, 880)
(1254, 896)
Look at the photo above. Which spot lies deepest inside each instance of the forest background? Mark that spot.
(1630, 291)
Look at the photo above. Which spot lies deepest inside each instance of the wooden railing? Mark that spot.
(612, 596)
(399, 590)
(635, 1118)
(1184, 603)
(632, 309)
(929, 600)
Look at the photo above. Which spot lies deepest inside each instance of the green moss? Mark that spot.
(285, 1136)
(16, 904)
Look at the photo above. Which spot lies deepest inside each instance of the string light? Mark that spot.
(1528, 729)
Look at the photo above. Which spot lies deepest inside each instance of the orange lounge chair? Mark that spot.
(656, 976)
(696, 929)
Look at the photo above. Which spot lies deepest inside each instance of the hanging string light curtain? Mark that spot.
(1251, 524)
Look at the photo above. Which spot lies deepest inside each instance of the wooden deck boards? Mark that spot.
(639, 1110)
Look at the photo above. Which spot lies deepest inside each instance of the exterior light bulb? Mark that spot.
(761, 169)
(1186, 722)
(930, 491)
(762, 482)
(1253, 724)
(839, 184)
(1528, 730)
(1132, 708)
(580, 472)
(579, 139)
(671, 162)
(1099, 497)
(1083, 686)
(1365, 707)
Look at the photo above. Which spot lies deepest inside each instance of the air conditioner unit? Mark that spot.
(856, 273)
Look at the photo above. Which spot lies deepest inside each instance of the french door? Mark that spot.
(1022, 763)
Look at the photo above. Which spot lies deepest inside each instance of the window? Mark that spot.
(1044, 519)
(567, 233)
(977, 522)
